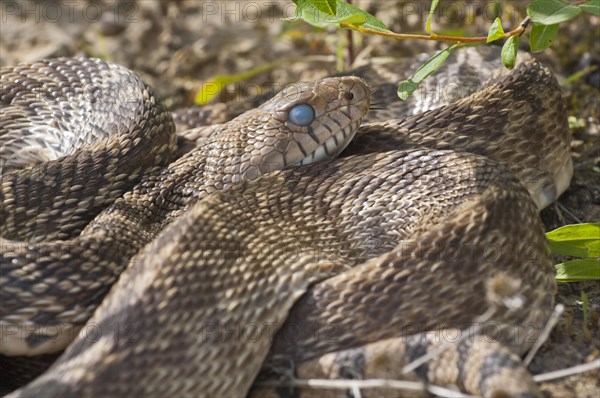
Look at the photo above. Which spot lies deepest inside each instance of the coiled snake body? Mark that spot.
(420, 225)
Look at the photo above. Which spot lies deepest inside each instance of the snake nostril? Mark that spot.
(349, 95)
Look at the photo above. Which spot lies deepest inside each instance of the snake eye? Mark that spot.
(302, 115)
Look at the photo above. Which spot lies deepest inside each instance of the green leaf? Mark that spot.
(212, 88)
(355, 19)
(326, 6)
(550, 12)
(585, 304)
(593, 7)
(496, 32)
(209, 90)
(582, 269)
(578, 75)
(509, 52)
(310, 14)
(578, 240)
(343, 13)
(407, 87)
(434, 4)
(542, 37)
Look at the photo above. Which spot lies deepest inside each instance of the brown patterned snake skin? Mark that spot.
(257, 250)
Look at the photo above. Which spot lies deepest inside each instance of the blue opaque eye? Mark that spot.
(302, 114)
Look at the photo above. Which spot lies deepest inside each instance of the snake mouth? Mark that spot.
(332, 147)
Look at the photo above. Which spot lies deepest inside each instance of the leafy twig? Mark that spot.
(544, 15)
(435, 37)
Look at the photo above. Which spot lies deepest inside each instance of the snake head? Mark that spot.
(304, 123)
(319, 118)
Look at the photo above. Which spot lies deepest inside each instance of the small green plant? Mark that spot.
(581, 241)
(543, 15)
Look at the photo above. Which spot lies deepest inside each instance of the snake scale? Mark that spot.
(260, 253)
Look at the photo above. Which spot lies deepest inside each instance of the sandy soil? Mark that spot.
(177, 45)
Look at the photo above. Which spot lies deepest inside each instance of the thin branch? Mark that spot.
(347, 384)
(366, 384)
(350, 46)
(557, 374)
(563, 208)
(446, 392)
(517, 31)
(558, 310)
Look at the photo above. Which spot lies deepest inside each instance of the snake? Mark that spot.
(330, 232)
